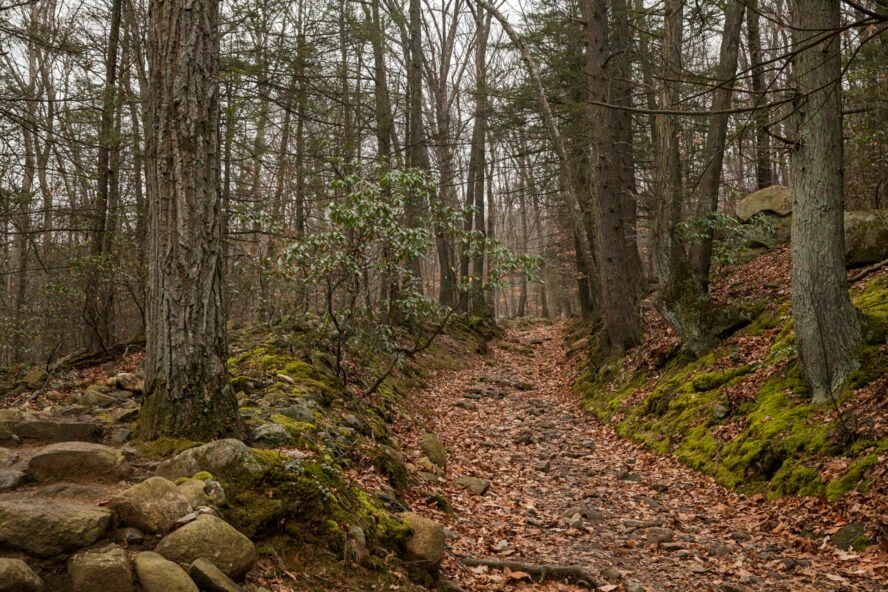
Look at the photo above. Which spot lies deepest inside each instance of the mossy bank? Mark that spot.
(742, 413)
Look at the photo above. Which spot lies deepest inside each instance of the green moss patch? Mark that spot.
(746, 421)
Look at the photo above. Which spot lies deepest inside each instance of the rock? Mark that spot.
(214, 490)
(721, 411)
(100, 386)
(105, 569)
(16, 576)
(635, 587)
(194, 490)
(51, 430)
(474, 484)
(10, 479)
(775, 199)
(8, 457)
(129, 536)
(851, 536)
(153, 505)
(224, 458)
(300, 411)
(35, 378)
(425, 547)
(210, 578)
(128, 382)
(156, 574)
(120, 436)
(271, 434)
(434, 449)
(79, 462)
(124, 414)
(45, 528)
(97, 399)
(866, 237)
(658, 535)
(445, 585)
(210, 538)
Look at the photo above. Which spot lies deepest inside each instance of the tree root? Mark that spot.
(573, 574)
(871, 269)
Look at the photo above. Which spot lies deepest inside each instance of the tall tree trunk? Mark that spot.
(680, 303)
(714, 149)
(764, 177)
(826, 325)
(613, 177)
(187, 391)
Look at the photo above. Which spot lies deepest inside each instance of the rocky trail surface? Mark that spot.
(531, 481)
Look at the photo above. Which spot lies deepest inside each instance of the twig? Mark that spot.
(541, 572)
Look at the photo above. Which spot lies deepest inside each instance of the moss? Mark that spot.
(295, 427)
(165, 447)
(241, 383)
(796, 479)
(202, 476)
(852, 478)
(706, 381)
(763, 320)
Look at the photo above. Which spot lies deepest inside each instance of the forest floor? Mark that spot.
(567, 490)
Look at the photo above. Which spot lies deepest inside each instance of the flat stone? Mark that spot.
(16, 576)
(35, 378)
(79, 462)
(300, 411)
(474, 484)
(210, 538)
(10, 478)
(45, 528)
(51, 430)
(657, 535)
(775, 199)
(851, 536)
(96, 399)
(224, 458)
(425, 547)
(153, 505)
(271, 434)
(210, 578)
(157, 574)
(105, 569)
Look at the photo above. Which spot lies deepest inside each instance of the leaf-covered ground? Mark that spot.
(568, 490)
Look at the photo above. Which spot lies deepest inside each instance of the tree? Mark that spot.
(187, 392)
(827, 328)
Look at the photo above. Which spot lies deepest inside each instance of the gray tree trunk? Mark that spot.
(187, 392)
(826, 325)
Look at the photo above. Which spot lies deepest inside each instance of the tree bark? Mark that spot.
(683, 306)
(827, 328)
(610, 153)
(187, 392)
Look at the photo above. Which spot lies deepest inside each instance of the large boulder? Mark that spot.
(157, 574)
(228, 458)
(425, 547)
(866, 237)
(16, 576)
(106, 569)
(46, 528)
(775, 199)
(153, 505)
(79, 462)
(213, 539)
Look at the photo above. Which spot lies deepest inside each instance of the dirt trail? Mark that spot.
(566, 490)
